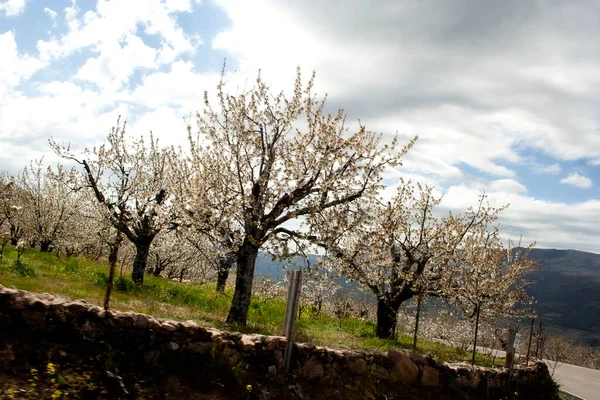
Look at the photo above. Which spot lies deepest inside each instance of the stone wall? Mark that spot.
(317, 372)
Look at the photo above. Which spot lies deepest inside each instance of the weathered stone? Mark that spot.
(312, 369)
(199, 347)
(123, 320)
(20, 304)
(431, 376)
(75, 309)
(168, 327)
(307, 346)
(246, 343)
(404, 369)
(151, 357)
(233, 336)
(467, 378)
(278, 358)
(154, 324)
(380, 373)
(141, 321)
(271, 343)
(189, 324)
(172, 346)
(272, 369)
(357, 366)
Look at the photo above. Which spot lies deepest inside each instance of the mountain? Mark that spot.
(567, 290)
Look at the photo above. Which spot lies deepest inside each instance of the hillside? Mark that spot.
(567, 292)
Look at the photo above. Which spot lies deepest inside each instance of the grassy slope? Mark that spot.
(78, 277)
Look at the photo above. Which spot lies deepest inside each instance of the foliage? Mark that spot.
(50, 200)
(23, 269)
(129, 180)
(251, 170)
(397, 249)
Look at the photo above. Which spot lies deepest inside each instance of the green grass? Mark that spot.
(81, 278)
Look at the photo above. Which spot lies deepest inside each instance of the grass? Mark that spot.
(82, 278)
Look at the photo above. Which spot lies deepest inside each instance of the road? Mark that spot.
(582, 382)
(579, 381)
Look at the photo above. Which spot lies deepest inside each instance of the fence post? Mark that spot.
(529, 345)
(510, 348)
(291, 310)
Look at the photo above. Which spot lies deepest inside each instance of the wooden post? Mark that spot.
(417, 316)
(537, 342)
(476, 331)
(529, 345)
(291, 310)
(510, 349)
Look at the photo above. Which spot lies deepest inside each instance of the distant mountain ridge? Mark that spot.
(567, 290)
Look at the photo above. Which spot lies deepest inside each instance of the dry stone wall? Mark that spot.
(317, 372)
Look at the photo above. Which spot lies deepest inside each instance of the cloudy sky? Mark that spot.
(504, 95)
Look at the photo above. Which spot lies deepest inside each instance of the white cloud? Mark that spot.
(507, 186)
(112, 21)
(12, 8)
(429, 69)
(181, 87)
(52, 14)
(166, 124)
(577, 180)
(550, 224)
(547, 169)
(117, 62)
(14, 66)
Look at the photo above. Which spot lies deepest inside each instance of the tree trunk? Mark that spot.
(139, 262)
(246, 259)
(386, 319)
(45, 246)
(223, 273)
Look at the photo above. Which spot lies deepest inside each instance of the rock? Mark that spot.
(168, 327)
(75, 309)
(431, 376)
(246, 343)
(140, 321)
(123, 320)
(312, 369)
(467, 378)
(404, 369)
(380, 373)
(199, 347)
(272, 369)
(307, 345)
(278, 358)
(271, 343)
(151, 357)
(154, 324)
(20, 304)
(172, 346)
(189, 324)
(357, 366)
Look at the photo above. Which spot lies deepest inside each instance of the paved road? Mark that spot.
(582, 382)
(579, 381)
